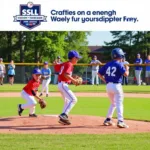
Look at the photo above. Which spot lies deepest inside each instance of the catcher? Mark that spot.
(29, 92)
(64, 78)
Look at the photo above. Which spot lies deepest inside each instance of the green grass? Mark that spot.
(134, 108)
(82, 88)
(75, 142)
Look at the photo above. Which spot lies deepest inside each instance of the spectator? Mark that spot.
(95, 67)
(124, 79)
(147, 74)
(138, 69)
(2, 71)
(11, 72)
(57, 65)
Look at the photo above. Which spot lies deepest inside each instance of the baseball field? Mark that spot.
(86, 131)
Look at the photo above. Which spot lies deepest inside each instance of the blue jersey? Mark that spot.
(147, 62)
(11, 69)
(46, 72)
(113, 71)
(139, 61)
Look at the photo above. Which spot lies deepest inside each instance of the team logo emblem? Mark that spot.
(30, 15)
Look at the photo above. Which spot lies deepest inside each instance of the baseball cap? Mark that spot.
(1, 59)
(138, 54)
(36, 71)
(95, 56)
(73, 53)
(45, 63)
(58, 57)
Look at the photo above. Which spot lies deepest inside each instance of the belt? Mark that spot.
(113, 82)
(62, 82)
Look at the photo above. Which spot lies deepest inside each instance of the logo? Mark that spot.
(30, 15)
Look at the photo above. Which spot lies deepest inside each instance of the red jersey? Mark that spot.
(66, 67)
(31, 86)
(57, 67)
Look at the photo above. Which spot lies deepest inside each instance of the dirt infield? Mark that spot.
(78, 94)
(48, 124)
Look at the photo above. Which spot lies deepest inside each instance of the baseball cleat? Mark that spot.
(121, 124)
(40, 95)
(63, 116)
(32, 115)
(108, 122)
(20, 110)
(64, 122)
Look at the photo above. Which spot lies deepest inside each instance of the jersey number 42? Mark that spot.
(111, 71)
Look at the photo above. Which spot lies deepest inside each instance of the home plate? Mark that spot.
(50, 115)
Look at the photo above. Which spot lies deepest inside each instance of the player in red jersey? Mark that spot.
(29, 92)
(65, 77)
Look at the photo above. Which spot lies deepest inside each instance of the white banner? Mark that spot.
(75, 15)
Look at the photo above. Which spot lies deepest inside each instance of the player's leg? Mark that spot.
(97, 79)
(137, 76)
(70, 99)
(119, 96)
(93, 77)
(146, 77)
(112, 107)
(31, 103)
(55, 78)
(43, 87)
(47, 87)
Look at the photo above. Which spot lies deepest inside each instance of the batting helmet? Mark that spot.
(117, 53)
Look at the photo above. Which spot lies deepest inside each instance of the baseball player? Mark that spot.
(111, 73)
(46, 78)
(2, 71)
(29, 92)
(138, 69)
(95, 67)
(65, 77)
(57, 65)
(147, 74)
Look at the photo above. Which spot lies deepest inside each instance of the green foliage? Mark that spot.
(132, 42)
(40, 46)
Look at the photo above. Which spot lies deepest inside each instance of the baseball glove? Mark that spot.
(79, 80)
(42, 103)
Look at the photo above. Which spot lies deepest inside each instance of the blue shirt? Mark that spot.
(11, 69)
(46, 72)
(147, 62)
(139, 61)
(113, 71)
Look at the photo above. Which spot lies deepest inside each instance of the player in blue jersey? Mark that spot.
(111, 73)
(147, 74)
(138, 69)
(46, 76)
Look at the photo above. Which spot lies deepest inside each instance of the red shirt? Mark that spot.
(32, 85)
(57, 67)
(66, 67)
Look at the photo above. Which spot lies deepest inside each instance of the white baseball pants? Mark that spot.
(94, 74)
(31, 102)
(45, 85)
(138, 76)
(116, 96)
(55, 78)
(68, 97)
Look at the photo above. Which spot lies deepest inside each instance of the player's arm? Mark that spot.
(35, 93)
(126, 73)
(102, 77)
(101, 73)
(68, 76)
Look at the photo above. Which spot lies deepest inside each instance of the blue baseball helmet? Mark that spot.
(36, 71)
(117, 53)
(73, 53)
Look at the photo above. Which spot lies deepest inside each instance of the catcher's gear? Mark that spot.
(42, 103)
(79, 80)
